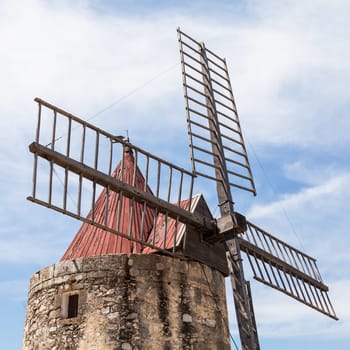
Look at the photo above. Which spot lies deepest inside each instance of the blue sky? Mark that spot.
(289, 63)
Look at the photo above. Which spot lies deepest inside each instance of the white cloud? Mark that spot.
(311, 173)
(309, 205)
(281, 317)
(290, 72)
(313, 197)
(84, 61)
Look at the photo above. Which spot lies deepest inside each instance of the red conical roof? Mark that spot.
(91, 240)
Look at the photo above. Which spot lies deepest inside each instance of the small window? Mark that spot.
(73, 306)
(69, 306)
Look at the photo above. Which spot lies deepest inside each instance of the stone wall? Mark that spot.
(127, 302)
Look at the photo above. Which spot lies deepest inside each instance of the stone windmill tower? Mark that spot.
(109, 292)
(146, 269)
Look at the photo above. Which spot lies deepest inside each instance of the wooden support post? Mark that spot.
(241, 296)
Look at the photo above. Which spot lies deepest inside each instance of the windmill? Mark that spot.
(163, 214)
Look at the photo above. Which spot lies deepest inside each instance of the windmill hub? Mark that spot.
(232, 223)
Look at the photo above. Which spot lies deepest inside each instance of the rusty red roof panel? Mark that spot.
(168, 233)
(91, 240)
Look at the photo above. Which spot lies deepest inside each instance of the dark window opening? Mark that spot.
(73, 306)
